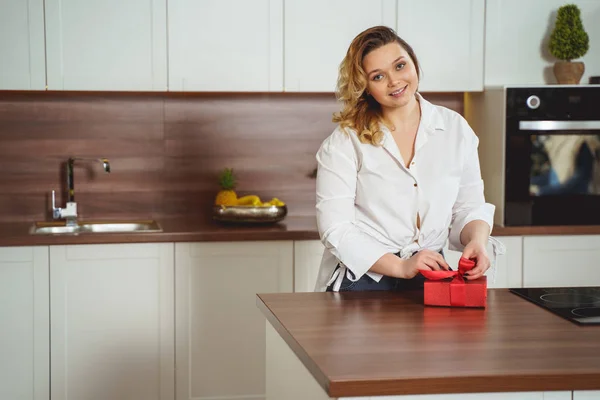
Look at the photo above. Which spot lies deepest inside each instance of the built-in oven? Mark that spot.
(540, 153)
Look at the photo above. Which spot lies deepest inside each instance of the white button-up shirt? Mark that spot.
(368, 200)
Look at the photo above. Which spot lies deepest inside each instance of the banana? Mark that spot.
(254, 201)
(275, 201)
(250, 200)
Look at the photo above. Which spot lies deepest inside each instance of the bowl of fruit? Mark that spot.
(229, 207)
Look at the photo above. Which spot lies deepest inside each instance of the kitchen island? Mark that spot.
(362, 345)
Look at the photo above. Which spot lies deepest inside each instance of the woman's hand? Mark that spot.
(424, 259)
(476, 250)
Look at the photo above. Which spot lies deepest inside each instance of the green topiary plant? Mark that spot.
(569, 40)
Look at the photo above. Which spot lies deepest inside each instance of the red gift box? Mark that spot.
(449, 288)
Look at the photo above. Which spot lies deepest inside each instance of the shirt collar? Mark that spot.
(430, 116)
(431, 121)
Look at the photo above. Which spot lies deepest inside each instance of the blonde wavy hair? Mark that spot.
(361, 112)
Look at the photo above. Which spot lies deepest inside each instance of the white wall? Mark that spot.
(517, 34)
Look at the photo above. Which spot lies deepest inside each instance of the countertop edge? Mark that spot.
(177, 237)
(545, 230)
(465, 384)
(173, 230)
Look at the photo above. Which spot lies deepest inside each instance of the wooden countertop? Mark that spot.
(372, 344)
(174, 230)
(205, 229)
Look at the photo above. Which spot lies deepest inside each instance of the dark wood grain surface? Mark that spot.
(200, 228)
(188, 229)
(546, 230)
(165, 149)
(371, 344)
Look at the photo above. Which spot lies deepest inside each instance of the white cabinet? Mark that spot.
(106, 45)
(112, 322)
(586, 395)
(24, 315)
(231, 46)
(317, 36)
(448, 42)
(509, 267)
(22, 64)
(226, 45)
(307, 260)
(562, 260)
(220, 343)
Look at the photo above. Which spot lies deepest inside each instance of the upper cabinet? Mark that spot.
(227, 45)
(106, 45)
(233, 45)
(22, 63)
(447, 37)
(317, 36)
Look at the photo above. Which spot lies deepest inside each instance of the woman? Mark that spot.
(397, 178)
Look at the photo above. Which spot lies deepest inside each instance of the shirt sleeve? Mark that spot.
(470, 203)
(336, 191)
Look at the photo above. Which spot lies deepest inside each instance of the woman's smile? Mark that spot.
(399, 92)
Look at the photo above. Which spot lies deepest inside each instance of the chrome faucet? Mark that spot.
(69, 213)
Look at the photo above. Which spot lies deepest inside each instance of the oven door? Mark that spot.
(553, 173)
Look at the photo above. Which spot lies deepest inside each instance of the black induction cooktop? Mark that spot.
(580, 305)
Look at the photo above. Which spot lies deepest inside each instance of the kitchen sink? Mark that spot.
(53, 230)
(92, 227)
(138, 226)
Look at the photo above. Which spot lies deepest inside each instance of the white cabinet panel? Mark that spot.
(509, 267)
(307, 260)
(448, 42)
(586, 395)
(220, 343)
(24, 315)
(106, 45)
(317, 36)
(112, 322)
(225, 45)
(22, 64)
(566, 260)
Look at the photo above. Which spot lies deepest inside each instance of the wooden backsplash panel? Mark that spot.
(269, 141)
(39, 131)
(165, 149)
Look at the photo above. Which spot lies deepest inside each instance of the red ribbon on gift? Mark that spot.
(458, 290)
